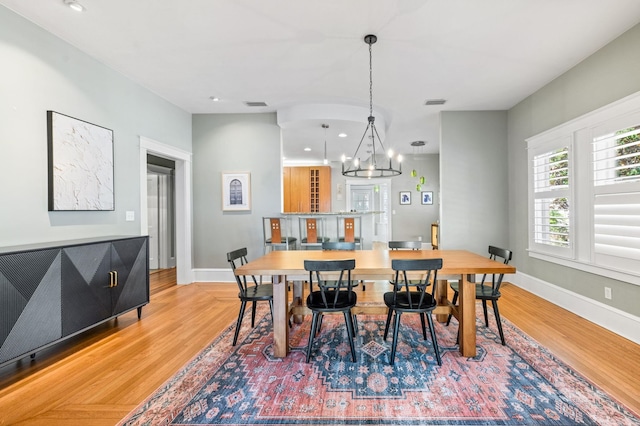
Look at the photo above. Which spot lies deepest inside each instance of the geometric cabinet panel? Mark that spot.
(30, 290)
(86, 296)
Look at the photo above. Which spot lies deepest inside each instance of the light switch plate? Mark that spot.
(130, 216)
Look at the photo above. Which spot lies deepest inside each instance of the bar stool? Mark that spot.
(275, 236)
(350, 230)
(311, 232)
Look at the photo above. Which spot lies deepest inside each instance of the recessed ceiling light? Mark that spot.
(342, 135)
(307, 149)
(74, 5)
(214, 98)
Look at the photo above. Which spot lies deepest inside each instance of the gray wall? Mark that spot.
(40, 72)
(414, 220)
(473, 175)
(233, 143)
(608, 75)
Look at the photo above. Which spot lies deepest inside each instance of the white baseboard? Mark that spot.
(213, 275)
(614, 320)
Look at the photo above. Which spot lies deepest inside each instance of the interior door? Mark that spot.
(152, 220)
(372, 196)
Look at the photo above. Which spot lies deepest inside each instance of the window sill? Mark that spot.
(586, 267)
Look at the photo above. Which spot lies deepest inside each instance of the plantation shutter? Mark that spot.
(616, 200)
(551, 205)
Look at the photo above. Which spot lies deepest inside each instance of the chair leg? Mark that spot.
(319, 325)
(434, 339)
(497, 314)
(355, 324)
(243, 305)
(314, 326)
(271, 309)
(396, 331)
(253, 314)
(486, 317)
(348, 319)
(424, 328)
(453, 302)
(386, 327)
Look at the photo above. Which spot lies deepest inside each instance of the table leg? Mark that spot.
(280, 313)
(441, 298)
(467, 315)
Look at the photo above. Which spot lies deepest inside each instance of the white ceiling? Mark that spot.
(299, 55)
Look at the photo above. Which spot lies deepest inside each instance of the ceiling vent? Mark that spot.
(435, 102)
(255, 104)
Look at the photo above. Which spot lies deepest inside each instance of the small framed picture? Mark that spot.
(405, 197)
(427, 197)
(236, 191)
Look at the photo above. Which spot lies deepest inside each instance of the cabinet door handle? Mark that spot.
(115, 273)
(110, 279)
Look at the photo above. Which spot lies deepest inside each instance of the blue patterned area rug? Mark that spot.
(518, 384)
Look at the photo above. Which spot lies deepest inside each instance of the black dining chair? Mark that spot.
(333, 295)
(405, 245)
(249, 292)
(488, 292)
(405, 300)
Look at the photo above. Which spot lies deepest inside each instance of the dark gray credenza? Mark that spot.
(52, 291)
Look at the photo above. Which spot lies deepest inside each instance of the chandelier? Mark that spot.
(372, 169)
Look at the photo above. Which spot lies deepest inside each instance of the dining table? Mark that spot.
(286, 266)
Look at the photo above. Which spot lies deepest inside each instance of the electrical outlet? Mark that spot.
(607, 293)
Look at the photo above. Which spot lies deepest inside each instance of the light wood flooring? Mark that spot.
(99, 377)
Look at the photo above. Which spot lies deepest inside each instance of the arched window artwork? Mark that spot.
(235, 192)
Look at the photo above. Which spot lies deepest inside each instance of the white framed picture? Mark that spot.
(427, 197)
(236, 191)
(405, 197)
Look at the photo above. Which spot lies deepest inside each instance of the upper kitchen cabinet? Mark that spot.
(307, 189)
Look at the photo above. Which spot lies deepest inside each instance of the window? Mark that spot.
(616, 197)
(584, 192)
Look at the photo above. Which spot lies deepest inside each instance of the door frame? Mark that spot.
(183, 198)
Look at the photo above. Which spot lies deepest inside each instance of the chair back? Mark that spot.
(338, 245)
(498, 254)
(349, 229)
(238, 258)
(407, 245)
(411, 267)
(312, 230)
(276, 231)
(332, 279)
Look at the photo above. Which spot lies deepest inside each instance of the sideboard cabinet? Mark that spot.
(52, 291)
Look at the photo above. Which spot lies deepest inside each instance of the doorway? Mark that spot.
(161, 212)
(183, 237)
(372, 197)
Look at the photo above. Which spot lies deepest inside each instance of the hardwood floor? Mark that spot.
(99, 377)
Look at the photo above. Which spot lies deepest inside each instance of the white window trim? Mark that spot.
(580, 131)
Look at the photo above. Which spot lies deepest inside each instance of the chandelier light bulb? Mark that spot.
(390, 153)
(356, 162)
(343, 158)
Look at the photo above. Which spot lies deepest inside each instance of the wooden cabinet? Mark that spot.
(53, 291)
(307, 189)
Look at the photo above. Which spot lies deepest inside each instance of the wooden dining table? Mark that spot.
(286, 266)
